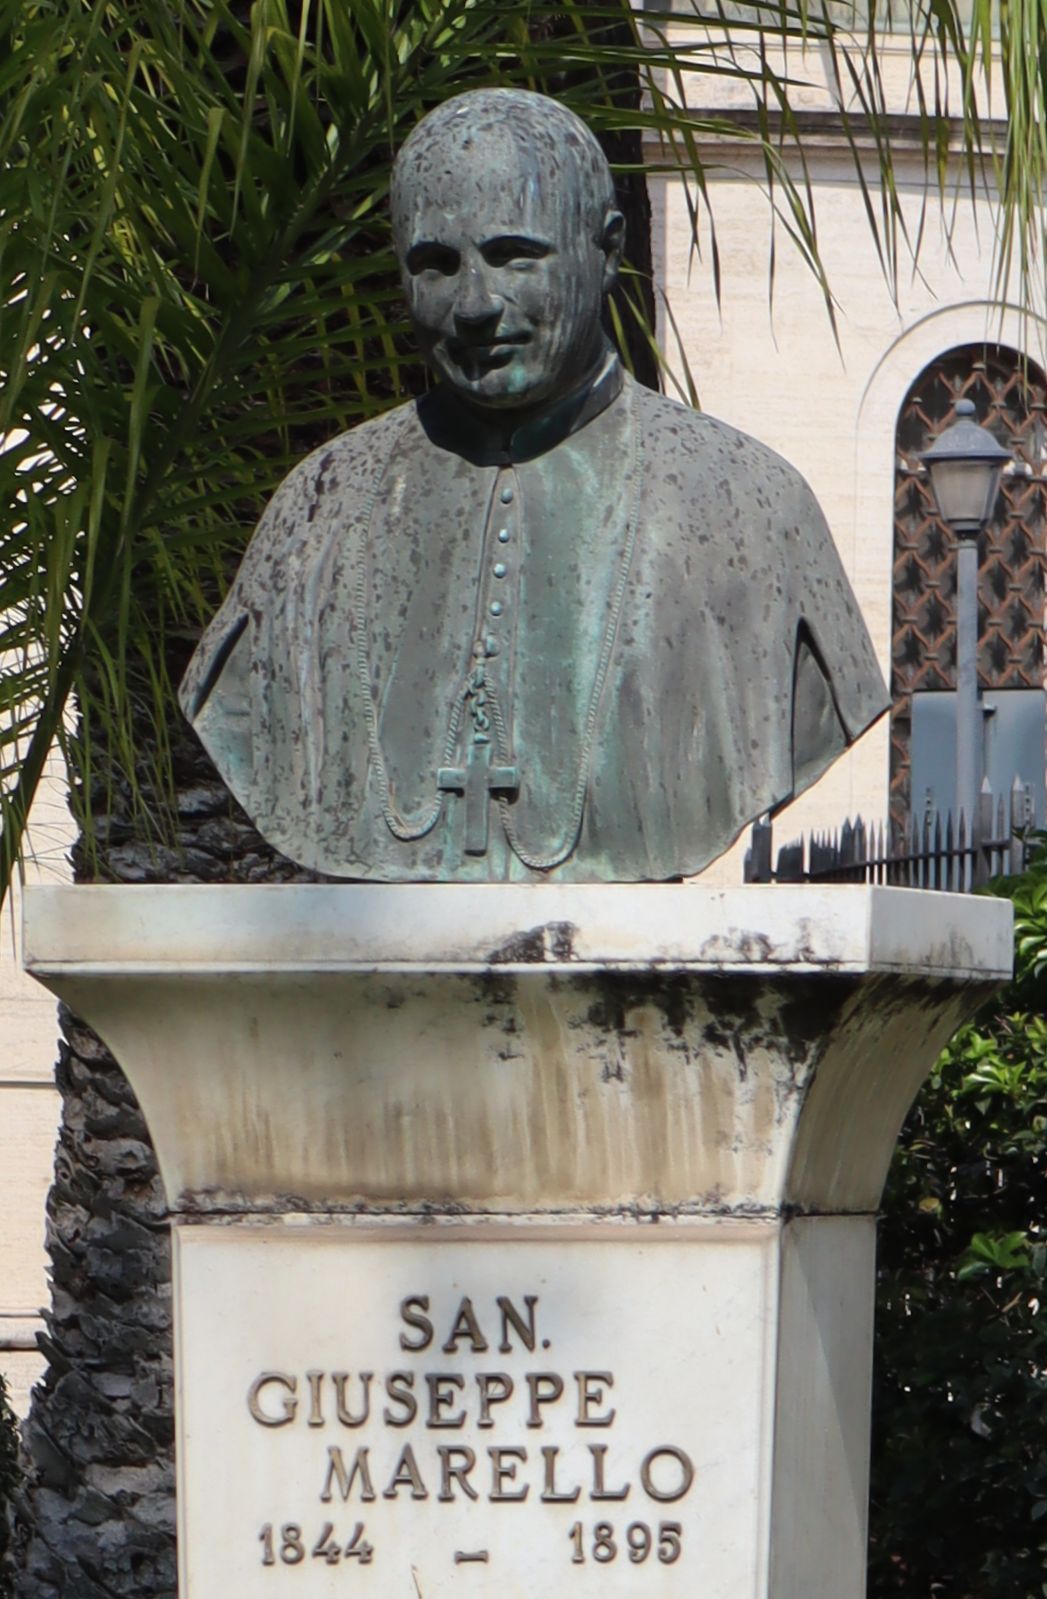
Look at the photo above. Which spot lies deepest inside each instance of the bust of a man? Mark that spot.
(542, 623)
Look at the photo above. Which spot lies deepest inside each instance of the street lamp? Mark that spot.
(964, 464)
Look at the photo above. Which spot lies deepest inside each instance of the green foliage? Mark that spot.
(960, 1410)
(8, 1479)
(1029, 894)
(196, 285)
(1010, 34)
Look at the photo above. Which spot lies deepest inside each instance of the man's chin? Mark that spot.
(500, 388)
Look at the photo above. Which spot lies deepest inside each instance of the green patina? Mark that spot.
(541, 623)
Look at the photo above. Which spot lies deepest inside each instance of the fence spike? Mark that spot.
(913, 875)
(790, 862)
(981, 839)
(1021, 811)
(759, 854)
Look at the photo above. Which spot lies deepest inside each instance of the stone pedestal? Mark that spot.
(524, 1236)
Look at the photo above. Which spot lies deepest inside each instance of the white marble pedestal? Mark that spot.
(524, 1236)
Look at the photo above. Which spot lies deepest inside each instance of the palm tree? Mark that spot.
(197, 286)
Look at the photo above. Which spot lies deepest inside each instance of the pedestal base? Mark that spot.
(524, 1236)
(513, 1409)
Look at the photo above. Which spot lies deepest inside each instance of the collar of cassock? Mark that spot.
(486, 440)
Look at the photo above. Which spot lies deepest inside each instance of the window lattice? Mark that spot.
(1010, 398)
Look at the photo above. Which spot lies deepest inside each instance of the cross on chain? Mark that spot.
(478, 780)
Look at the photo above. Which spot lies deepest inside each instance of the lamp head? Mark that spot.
(964, 464)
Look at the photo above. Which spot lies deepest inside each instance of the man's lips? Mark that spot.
(464, 348)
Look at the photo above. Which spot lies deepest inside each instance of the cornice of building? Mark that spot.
(740, 132)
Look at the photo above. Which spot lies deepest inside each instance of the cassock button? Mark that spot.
(496, 607)
(503, 535)
(500, 569)
(507, 495)
(491, 644)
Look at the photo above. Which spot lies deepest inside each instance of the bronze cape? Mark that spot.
(689, 561)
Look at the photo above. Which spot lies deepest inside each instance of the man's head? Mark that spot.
(508, 238)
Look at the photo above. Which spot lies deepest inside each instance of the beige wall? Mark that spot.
(29, 1108)
(774, 369)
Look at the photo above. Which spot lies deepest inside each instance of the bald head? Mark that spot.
(508, 238)
(539, 147)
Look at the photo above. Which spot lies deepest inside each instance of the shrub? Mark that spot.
(959, 1497)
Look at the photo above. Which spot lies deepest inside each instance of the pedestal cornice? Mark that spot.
(607, 1049)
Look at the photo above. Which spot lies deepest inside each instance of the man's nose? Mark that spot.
(477, 302)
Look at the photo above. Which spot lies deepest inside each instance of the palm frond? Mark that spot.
(197, 284)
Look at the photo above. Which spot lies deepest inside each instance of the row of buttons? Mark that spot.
(500, 569)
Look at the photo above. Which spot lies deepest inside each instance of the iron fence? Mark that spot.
(935, 850)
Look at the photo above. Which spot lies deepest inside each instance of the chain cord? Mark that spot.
(479, 687)
(546, 863)
(406, 829)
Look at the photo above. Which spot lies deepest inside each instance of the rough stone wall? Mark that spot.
(99, 1438)
(95, 1517)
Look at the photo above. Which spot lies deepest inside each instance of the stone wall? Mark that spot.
(99, 1438)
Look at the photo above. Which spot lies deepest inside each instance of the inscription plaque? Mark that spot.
(420, 1411)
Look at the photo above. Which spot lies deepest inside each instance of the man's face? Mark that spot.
(504, 286)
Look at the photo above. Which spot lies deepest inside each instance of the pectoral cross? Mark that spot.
(479, 781)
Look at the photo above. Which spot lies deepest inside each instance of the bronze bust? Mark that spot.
(541, 622)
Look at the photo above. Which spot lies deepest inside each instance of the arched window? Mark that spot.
(1010, 397)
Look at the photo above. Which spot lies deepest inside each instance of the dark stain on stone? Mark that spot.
(495, 991)
(560, 937)
(521, 949)
(671, 993)
(552, 941)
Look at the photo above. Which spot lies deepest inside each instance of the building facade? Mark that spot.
(853, 406)
(29, 1109)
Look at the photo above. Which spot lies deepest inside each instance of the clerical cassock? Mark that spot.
(590, 648)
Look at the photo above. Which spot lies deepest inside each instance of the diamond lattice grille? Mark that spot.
(1010, 398)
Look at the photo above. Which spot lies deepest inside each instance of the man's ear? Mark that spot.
(612, 243)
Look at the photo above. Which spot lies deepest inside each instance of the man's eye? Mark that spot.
(433, 258)
(512, 251)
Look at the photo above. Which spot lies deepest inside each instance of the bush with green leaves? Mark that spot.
(8, 1477)
(959, 1501)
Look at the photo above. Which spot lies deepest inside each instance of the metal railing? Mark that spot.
(935, 851)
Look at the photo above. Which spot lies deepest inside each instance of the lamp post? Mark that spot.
(964, 464)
